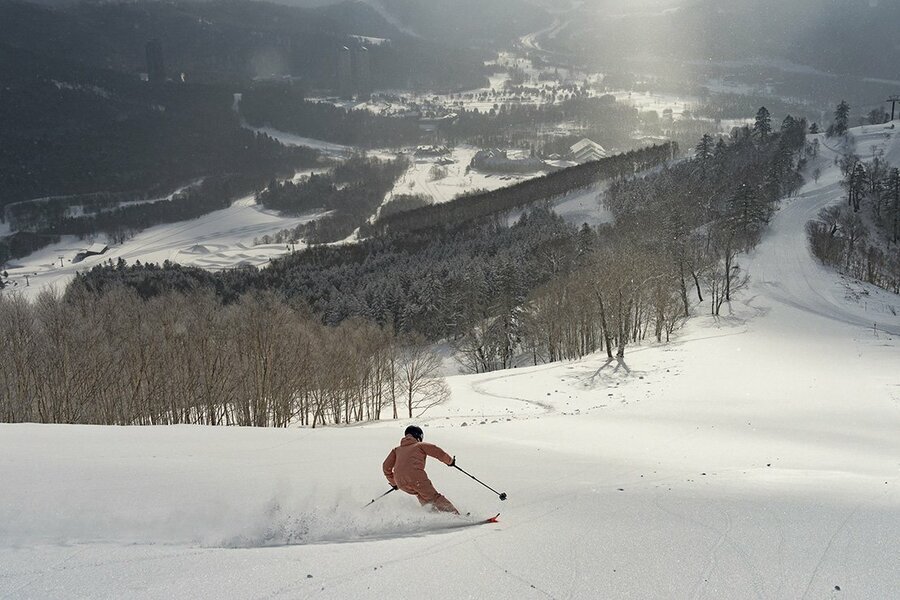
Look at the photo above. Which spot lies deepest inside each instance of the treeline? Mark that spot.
(284, 107)
(116, 359)
(351, 193)
(332, 190)
(436, 283)
(403, 202)
(597, 117)
(40, 213)
(842, 238)
(23, 243)
(727, 105)
(546, 187)
(540, 287)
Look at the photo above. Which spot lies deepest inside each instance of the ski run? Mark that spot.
(755, 456)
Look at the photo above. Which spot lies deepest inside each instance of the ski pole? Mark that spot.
(393, 489)
(501, 494)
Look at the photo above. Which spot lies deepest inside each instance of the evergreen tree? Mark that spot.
(793, 132)
(893, 195)
(586, 239)
(704, 153)
(841, 118)
(747, 214)
(704, 148)
(720, 156)
(763, 126)
(856, 185)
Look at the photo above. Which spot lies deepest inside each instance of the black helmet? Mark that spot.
(414, 431)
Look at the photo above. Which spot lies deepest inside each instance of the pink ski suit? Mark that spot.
(404, 468)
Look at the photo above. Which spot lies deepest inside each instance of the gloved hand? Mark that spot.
(394, 487)
(452, 462)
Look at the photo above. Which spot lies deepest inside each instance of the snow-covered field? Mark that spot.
(218, 240)
(578, 207)
(648, 101)
(757, 456)
(453, 180)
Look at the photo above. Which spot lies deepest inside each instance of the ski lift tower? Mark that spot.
(893, 100)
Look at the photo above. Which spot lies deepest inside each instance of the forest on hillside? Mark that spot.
(537, 287)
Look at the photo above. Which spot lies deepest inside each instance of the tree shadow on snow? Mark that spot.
(620, 365)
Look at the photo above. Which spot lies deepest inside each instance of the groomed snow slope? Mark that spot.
(217, 240)
(757, 456)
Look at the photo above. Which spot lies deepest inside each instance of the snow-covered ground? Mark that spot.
(291, 139)
(757, 456)
(218, 240)
(453, 180)
(648, 101)
(578, 207)
(581, 206)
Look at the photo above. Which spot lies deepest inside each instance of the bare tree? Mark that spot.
(853, 231)
(17, 352)
(420, 379)
(724, 278)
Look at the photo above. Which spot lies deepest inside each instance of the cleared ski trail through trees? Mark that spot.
(757, 456)
(783, 269)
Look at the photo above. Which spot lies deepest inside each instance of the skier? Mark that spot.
(404, 468)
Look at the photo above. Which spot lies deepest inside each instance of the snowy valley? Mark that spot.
(244, 245)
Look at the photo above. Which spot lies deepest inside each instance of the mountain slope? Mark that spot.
(756, 457)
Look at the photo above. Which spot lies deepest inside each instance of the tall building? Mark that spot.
(156, 67)
(345, 73)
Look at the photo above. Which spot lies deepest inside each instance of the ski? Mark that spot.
(494, 519)
(469, 522)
